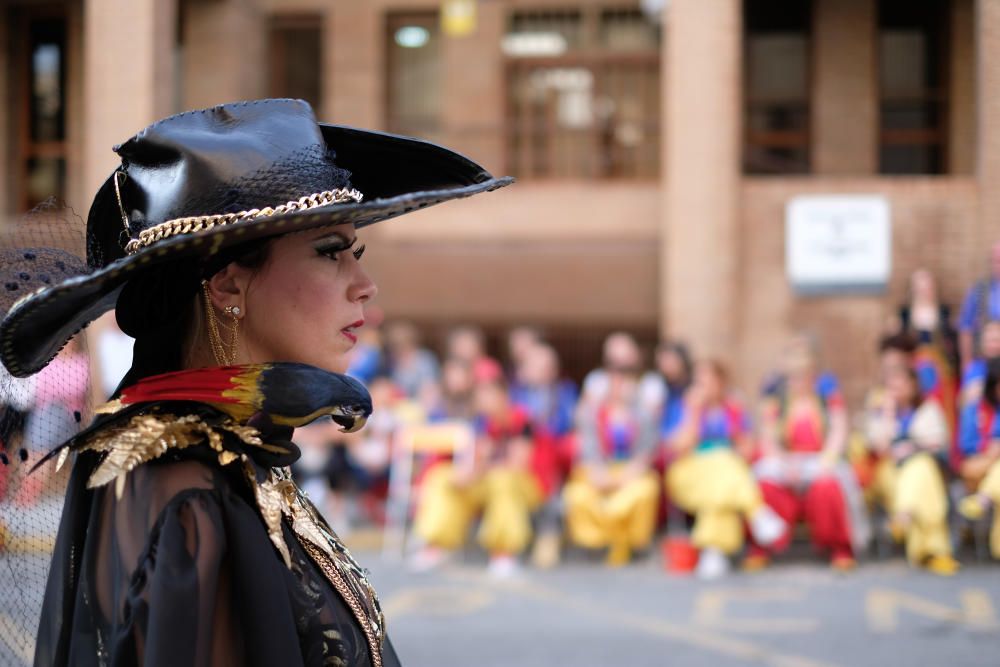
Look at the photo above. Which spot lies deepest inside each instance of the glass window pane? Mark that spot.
(776, 75)
(913, 101)
(414, 75)
(543, 34)
(47, 80)
(584, 93)
(629, 30)
(296, 59)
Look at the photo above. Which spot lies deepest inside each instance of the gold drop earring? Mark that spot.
(223, 356)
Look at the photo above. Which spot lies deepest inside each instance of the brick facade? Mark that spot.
(698, 253)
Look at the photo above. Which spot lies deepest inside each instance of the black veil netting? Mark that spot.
(38, 413)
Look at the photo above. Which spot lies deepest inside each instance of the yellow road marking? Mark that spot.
(439, 601)
(686, 634)
(710, 607)
(882, 606)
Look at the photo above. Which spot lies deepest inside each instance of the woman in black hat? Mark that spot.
(226, 244)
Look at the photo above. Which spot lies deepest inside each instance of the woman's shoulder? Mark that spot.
(166, 447)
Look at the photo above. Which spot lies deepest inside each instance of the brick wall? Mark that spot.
(934, 225)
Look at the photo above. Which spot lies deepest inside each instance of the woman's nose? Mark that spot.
(363, 289)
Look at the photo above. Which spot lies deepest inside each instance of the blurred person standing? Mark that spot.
(468, 344)
(801, 468)
(936, 355)
(501, 486)
(410, 366)
(520, 340)
(981, 305)
(974, 375)
(611, 498)
(455, 397)
(925, 317)
(980, 443)
(909, 433)
(710, 477)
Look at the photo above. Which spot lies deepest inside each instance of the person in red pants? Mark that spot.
(801, 468)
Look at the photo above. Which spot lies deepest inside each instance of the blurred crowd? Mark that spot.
(513, 456)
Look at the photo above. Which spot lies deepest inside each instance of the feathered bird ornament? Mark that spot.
(236, 401)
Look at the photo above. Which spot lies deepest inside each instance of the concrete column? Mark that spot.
(6, 186)
(962, 89)
(844, 87)
(77, 194)
(225, 44)
(701, 172)
(128, 66)
(473, 78)
(354, 71)
(988, 110)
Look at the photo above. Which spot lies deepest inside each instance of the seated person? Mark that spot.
(710, 477)
(550, 403)
(611, 498)
(500, 484)
(910, 435)
(980, 443)
(975, 373)
(801, 469)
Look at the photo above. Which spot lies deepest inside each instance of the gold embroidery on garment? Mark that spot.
(279, 496)
(144, 438)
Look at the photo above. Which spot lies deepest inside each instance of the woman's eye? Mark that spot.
(358, 252)
(330, 253)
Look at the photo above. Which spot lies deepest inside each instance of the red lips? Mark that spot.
(348, 331)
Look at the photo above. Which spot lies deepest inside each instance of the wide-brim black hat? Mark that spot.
(200, 183)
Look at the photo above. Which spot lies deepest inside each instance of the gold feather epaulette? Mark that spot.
(146, 437)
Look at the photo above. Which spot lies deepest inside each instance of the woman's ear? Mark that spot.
(228, 287)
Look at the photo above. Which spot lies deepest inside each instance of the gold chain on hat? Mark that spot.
(223, 357)
(199, 223)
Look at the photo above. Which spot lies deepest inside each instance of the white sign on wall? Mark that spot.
(838, 243)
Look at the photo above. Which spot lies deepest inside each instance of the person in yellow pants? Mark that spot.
(506, 496)
(910, 434)
(611, 497)
(979, 441)
(710, 478)
(499, 485)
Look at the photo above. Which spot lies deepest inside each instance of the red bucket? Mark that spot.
(679, 555)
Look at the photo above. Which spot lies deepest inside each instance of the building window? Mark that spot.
(913, 101)
(42, 172)
(583, 93)
(296, 58)
(776, 75)
(413, 95)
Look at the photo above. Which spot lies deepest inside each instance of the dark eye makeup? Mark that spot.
(336, 244)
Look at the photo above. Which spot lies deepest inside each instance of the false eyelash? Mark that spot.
(359, 251)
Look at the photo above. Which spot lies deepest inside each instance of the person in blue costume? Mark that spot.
(226, 242)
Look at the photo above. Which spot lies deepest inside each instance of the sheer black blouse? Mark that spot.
(181, 570)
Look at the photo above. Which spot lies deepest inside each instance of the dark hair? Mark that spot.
(992, 382)
(682, 352)
(917, 396)
(902, 342)
(160, 309)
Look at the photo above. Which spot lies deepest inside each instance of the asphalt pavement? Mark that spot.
(794, 615)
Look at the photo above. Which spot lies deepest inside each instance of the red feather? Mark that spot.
(204, 385)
